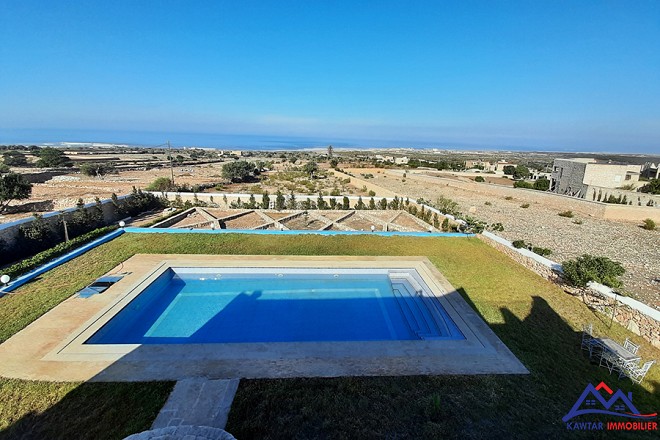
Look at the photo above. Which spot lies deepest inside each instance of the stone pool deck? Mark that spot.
(52, 347)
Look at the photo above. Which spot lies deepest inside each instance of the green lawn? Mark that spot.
(535, 319)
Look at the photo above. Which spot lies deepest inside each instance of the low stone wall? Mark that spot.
(541, 269)
(9, 232)
(634, 320)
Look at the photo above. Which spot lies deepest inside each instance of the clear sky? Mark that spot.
(548, 74)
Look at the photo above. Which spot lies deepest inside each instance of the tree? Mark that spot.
(330, 151)
(334, 163)
(292, 203)
(372, 204)
(238, 171)
(310, 168)
(52, 157)
(652, 187)
(14, 159)
(542, 185)
(479, 179)
(320, 203)
(13, 186)
(265, 200)
(96, 169)
(345, 203)
(589, 268)
(360, 204)
(161, 184)
(279, 200)
(4, 168)
(252, 202)
(521, 172)
(509, 170)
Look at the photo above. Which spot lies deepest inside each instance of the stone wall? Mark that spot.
(634, 320)
(9, 231)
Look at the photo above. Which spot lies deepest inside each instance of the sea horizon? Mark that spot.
(265, 142)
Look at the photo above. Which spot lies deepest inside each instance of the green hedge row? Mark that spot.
(37, 260)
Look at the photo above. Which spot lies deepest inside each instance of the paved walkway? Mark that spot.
(200, 402)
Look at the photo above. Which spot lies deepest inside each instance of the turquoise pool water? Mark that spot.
(221, 306)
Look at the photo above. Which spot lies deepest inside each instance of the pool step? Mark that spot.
(419, 311)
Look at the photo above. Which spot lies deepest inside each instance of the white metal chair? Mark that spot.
(589, 343)
(628, 345)
(635, 372)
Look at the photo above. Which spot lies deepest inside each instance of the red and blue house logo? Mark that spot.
(593, 401)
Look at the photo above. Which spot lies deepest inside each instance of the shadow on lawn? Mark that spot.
(499, 406)
(550, 349)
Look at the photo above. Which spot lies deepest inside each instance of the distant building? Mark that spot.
(650, 171)
(401, 160)
(576, 177)
(381, 158)
(500, 164)
(478, 164)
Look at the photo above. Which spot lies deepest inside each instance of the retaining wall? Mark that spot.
(9, 232)
(630, 313)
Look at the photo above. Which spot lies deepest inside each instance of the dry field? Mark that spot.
(637, 249)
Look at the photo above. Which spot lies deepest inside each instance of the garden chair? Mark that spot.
(589, 343)
(628, 345)
(635, 372)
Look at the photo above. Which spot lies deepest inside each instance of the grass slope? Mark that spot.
(534, 318)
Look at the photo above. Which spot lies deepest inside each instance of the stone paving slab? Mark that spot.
(186, 432)
(198, 401)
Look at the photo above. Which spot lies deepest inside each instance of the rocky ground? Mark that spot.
(637, 249)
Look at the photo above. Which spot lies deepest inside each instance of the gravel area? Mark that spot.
(638, 250)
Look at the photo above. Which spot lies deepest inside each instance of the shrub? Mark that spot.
(473, 226)
(238, 171)
(508, 198)
(52, 157)
(446, 206)
(372, 193)
(445, 224)
(589, 268)
(577, 222)
(13, 186)
(488, 204)
(96, 169)
(479, 179)
(649, 224)
(542, 184)
(568, 214)
(497, 227)
(519, 244)
(522, 184)
(161, 184)
(652, 187)
(525, 205)
(544, 252)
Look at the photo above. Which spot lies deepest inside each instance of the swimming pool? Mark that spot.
(193, 305)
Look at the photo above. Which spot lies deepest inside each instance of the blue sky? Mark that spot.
(556, 74)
